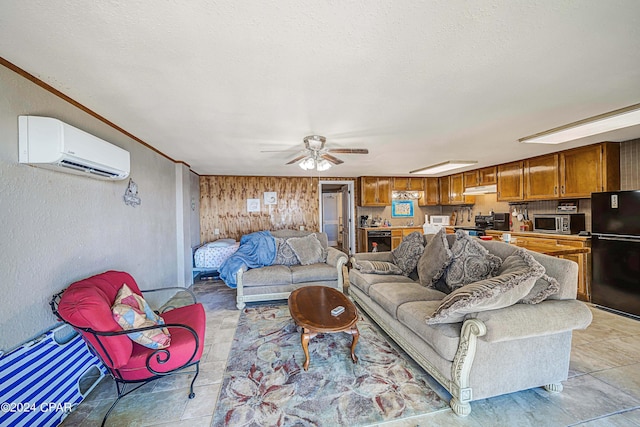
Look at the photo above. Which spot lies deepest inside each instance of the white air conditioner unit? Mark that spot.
(52, 144)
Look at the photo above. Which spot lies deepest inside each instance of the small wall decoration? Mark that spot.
(401, 208)
(270, 198)
(253, 205)
(131, 194)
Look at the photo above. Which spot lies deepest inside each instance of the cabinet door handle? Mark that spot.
(555, 190)
(562, 189)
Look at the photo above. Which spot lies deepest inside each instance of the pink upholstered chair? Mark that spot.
(86, 305)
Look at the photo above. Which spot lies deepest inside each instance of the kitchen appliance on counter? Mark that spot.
(502, 221)
(363, 220)
(382, 238)
(559, 223)
(615, 251)
(442, 220)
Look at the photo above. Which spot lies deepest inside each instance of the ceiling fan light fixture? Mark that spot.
(444, 166)
(613, 120)
(323, 165)
(307, 164)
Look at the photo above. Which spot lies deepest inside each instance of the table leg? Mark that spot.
(304, 339)
(355, 336)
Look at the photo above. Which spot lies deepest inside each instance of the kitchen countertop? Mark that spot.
(391, 227)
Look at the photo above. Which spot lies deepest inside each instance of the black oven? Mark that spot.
(381, 238)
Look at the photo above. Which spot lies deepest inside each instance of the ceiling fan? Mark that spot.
(316, 156)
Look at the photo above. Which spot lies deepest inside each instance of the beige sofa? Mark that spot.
(277, 281)
(489, 353)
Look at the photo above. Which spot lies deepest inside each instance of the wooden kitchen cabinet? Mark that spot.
(541, 177)
(540, 242)
(375, 191)
(484, 176)
(451, 189)
(397, 234)
(589, 169)
(510, 182)
(408, 184)
(396, 237)
(431, 194)
(445, 197)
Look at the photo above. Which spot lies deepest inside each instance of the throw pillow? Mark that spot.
(308, 249)
(377, 267)
(407, 254)
(544, 287)
(516, 278)
(131, 311)
(284, 253)
(434, 260)
(470, 262)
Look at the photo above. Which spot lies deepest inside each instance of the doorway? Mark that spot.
(337, 213)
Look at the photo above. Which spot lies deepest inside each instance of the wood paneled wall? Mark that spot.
(223, 204)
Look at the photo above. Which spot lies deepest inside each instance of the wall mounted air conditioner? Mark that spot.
(52, 144)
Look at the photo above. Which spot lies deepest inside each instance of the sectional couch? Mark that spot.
(495, 350)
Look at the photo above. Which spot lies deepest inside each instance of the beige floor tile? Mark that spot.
(625, 377)
(203, 404)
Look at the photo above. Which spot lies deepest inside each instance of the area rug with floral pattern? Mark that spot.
(264, 383)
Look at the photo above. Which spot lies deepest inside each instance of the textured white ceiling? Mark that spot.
(213, 83)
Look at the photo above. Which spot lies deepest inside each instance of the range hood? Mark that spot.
(480, 189)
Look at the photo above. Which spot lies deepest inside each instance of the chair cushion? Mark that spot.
(284, 253)
(434, 260)
(308, 249)
(407, 254)
(516, 277)
(364, 281)
(376, 267)
(470, 263)
(390, 296)
(267, 276)
(131, 311)
(444, 338)
(320, 272)
(544, 287)
(181, 350)
(87, 304)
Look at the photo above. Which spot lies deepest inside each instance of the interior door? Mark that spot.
(345, 219)
(330, 217)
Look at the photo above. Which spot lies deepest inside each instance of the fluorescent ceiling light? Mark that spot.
(613, 120)
(481, 189)
(444, 166)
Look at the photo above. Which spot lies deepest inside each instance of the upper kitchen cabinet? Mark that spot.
(408, 184)
(451, 189)
(541, 177)
(375, 191)
(444, 184)
(484, 176)
(510, 182)
(431, 193)
(589, 169)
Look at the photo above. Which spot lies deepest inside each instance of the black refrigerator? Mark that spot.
(615, 248)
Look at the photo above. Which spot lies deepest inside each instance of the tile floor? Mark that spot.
(603, 388)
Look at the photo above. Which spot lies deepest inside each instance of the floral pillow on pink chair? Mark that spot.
(131, 311)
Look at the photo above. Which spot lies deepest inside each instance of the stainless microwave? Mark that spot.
(559, 223)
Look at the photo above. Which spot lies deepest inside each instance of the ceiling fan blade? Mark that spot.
(349, 150)
(297, 159)
(332, 159)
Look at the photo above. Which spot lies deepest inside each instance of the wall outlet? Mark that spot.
(216, 231)
(302, 228)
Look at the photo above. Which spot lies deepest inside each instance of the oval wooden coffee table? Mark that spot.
(310, 308)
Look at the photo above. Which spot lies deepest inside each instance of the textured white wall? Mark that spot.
(58, 228)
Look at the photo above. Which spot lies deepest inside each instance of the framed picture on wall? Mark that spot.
(401, 208)
(253, 205)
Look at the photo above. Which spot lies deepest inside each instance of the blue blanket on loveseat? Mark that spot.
(256, 250)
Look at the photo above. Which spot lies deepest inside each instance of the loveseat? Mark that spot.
(520, 339)
(287, 272)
